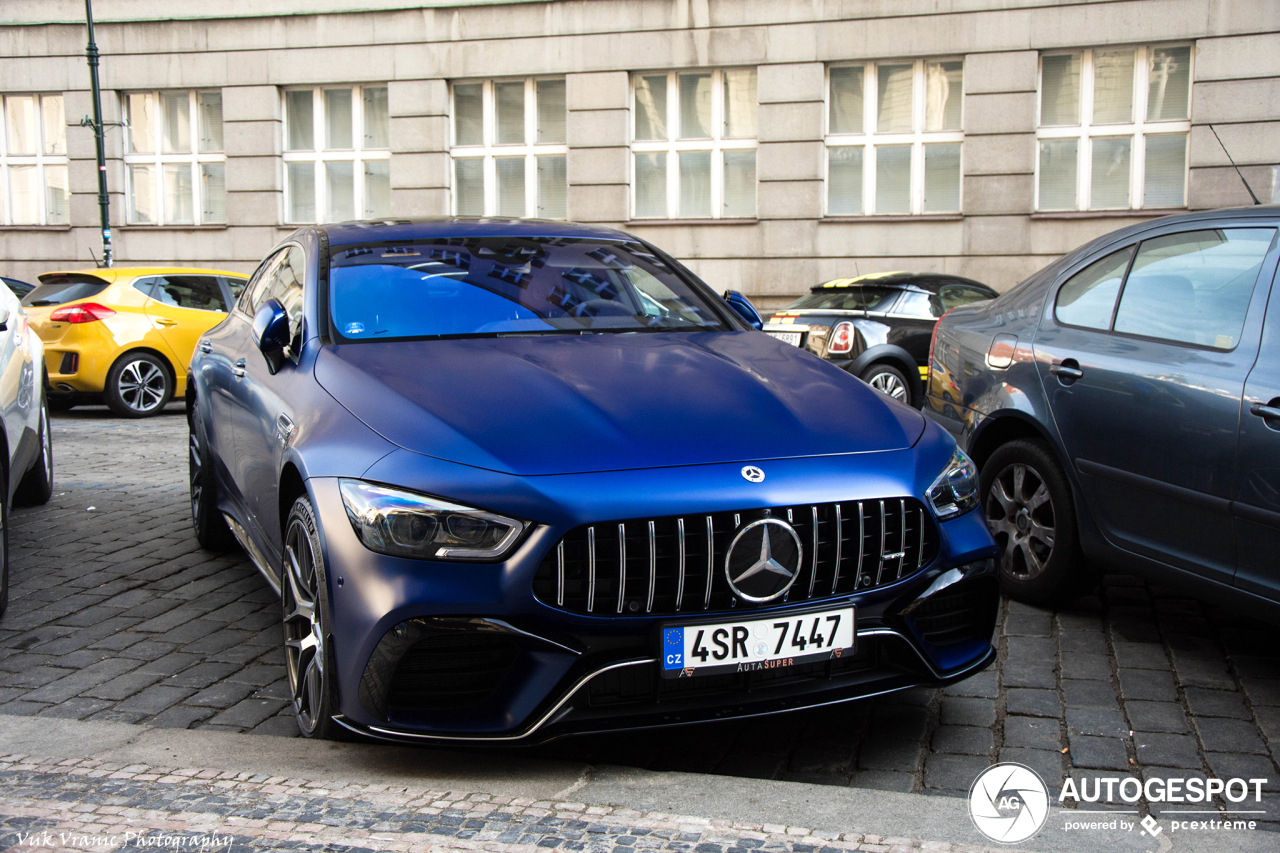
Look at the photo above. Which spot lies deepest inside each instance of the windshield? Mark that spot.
(508, 285)
(848, 299)
(55, 290)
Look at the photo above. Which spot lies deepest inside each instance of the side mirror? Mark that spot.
(271, 332)
(745, 309)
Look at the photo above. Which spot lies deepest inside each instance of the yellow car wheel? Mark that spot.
(139, 385)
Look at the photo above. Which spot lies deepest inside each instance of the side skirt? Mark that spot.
(246, 542)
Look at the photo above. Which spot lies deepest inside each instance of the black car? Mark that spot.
(1123, 405)
(19, 288)
(877, 326)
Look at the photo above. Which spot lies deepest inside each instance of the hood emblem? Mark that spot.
(753, 474)
(763, 561)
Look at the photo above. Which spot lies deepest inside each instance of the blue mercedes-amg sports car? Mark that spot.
(518, 479)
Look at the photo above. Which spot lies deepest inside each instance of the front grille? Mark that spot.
(451, 672)
(643, 684)
(957, 615)
(676, 564)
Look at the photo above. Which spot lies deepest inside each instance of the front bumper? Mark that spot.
(466, 652)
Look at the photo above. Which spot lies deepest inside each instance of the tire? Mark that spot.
(4, 538)
(211, 528)
(36, 486)
(890, 381)
(1026, 500)
(138, 386)
(308, 643)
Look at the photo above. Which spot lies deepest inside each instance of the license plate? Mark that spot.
(792, 338)
(757, 644)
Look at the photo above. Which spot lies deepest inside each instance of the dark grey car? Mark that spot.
(1123, 406)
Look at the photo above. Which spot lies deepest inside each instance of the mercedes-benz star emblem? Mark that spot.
(753, 474)
(763, 560)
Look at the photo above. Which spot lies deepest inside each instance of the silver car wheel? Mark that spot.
(1020, 515)
(887, 383)
(142, 385)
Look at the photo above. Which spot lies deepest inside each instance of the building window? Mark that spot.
(694, 145)
(509, 152)
(337, 154)
(894, 131)
(1113, 128)
(175, 168)
(33, 161)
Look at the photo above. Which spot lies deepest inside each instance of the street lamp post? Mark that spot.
(104, 201)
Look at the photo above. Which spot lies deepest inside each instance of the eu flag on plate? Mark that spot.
(673, 648)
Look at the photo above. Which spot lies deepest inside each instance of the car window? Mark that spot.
(849, 299)
(1194, 287)
(954, 295)
(235, 285)
(914, 304)
(56, 290)
(1089, 296)
(503, 285)
(198, 292)
(144, 285)
(284, 283)
(251, 297)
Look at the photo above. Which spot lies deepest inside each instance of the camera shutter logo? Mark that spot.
(1008, 803)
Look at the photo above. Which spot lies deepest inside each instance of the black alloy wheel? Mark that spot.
(1026, 500)
(138, 386)
(307, 641)
(211, 528)
(36, 486)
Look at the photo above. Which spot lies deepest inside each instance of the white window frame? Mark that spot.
(40, 160)
(869, 140)
(319, 156)
(491, 151)
(157, 161)
(1137, 130)
(717, 144)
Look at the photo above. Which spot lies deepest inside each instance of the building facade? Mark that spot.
(770, 145)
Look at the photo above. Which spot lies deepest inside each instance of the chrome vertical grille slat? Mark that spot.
(622, 565)
(711, 561)
(653, 569)
(560, 574)
(680, 561)
(577, 577)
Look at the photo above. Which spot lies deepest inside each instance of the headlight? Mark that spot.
(955, 492)
(404, 524)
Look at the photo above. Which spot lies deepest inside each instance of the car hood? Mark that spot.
(577, 404)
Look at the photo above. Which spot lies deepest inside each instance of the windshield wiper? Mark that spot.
(41, 302)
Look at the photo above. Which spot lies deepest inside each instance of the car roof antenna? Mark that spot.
(96, 262)
(1237, 168)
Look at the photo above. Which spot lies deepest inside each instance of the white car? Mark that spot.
(27, 473)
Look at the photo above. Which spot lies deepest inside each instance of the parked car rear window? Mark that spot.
(1194, 287)
(849, 299)
(505, 285)
(66, 288)
(1089, 296)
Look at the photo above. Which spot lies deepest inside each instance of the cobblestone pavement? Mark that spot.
(84, 804)
(117, 614)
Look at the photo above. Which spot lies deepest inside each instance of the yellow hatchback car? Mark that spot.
(124, 335)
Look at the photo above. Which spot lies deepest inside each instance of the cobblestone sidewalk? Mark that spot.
(117, 614)
(83, 804)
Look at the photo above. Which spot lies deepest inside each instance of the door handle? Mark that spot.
(1067, 371)
(1267, 411)
(237, 369)
(166, 322)
(206, 347)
